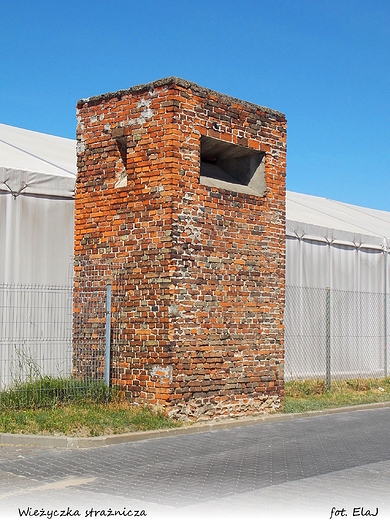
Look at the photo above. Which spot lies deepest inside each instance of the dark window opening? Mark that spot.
(232, 167)
(122, 147)
(121, 165)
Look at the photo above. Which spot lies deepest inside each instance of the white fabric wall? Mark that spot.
(37, 181)
(37, 185)
(36, 237)
(357, 270)
(321, 257)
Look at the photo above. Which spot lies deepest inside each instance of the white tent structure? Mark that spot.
(337, 245)
(337, 286)
(37, 182)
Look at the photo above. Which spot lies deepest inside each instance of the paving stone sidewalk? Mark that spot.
(298, 467)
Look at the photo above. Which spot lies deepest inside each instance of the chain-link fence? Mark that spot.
(62, 338)
(35, 332)
(35, 342)
(333, 334)
(55, 340)
(98, 339)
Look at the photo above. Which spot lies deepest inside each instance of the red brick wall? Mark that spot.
(202, 316)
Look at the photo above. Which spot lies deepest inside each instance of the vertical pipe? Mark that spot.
(108, 337)
(328, 374)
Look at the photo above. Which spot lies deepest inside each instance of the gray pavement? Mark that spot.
(288, 469)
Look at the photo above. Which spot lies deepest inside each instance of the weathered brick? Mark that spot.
(216, 255)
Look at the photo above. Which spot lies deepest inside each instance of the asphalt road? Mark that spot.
(303, 468)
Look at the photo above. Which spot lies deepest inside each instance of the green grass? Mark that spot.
(50, 391)
(53, 406)
(304, 396)
(84, 420)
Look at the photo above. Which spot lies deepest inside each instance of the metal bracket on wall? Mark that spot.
(15, 193)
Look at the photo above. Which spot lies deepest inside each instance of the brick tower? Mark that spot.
(181, 196)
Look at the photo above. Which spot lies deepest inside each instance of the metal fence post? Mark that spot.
(107, 357)
(328, 373)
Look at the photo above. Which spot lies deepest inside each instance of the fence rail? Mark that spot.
(333, 334)
(60, 339)
(35, 332)
(329, 334)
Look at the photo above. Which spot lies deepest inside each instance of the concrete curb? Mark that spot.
(47, 441)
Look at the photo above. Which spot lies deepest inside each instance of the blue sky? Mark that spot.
(325, 64)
